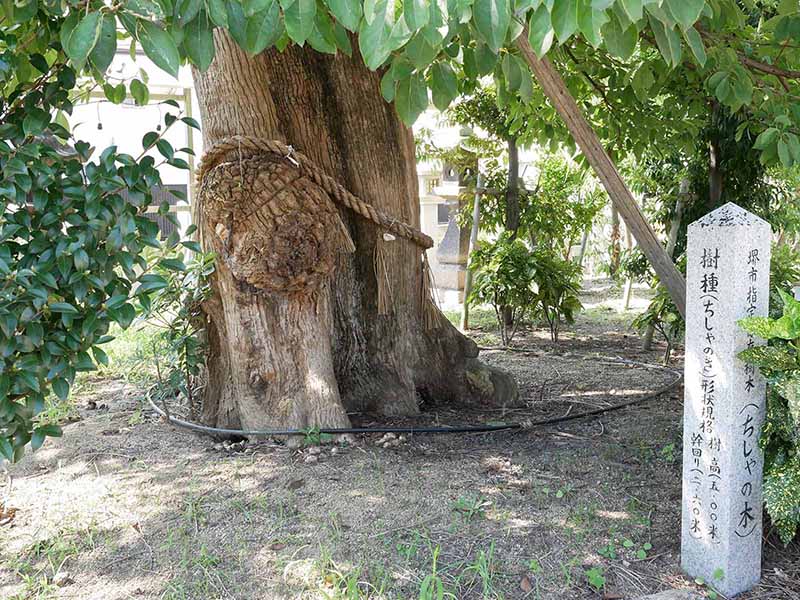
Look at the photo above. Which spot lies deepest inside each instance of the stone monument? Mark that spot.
(728, 258)
(452, 250)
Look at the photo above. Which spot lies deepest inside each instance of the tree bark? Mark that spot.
(556, 90)
(628, 289)
(307, 356)
(715, 175)
(512, 189)
(616, 251)
(512, 210)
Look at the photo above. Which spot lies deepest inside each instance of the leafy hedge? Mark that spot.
(779, 362)
(535, 283)
(72, 233)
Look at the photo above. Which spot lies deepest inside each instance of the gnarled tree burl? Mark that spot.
(295, 332)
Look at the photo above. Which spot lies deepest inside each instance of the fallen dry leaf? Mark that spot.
(7, 514)
(526, 585)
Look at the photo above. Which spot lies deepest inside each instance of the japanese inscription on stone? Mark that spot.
(728, 258)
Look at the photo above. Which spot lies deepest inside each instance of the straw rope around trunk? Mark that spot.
(243, 148)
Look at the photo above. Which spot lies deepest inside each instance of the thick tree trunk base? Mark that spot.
(306, 358)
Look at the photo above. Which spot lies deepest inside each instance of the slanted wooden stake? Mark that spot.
(607, 172)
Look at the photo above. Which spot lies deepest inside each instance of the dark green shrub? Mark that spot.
(504, 278)
(539, 284)
(779, 362)
(72, 236)
(558, 283)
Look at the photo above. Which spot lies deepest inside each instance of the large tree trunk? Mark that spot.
(307, 356)
(512, 211)
(616, 250)
(715, 175)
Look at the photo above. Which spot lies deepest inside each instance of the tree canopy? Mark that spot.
(634, 65)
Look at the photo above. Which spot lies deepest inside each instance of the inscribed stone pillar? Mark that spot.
(728, 257)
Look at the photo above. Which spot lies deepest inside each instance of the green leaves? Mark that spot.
(150, 283)
(733, 88)
(146, 9)
(75, 254)
(105, 48)
(779, 363)
(685, 12)
(787, 327)
(83, 38)
(199, 42)
(590, 23)
(633, 9)
(411, 98)
(492, 19)
(696, 45)
(72, 259)
(257, 32)
(540, 31)
(444, 85)
(565, 19)
(299, 18)
(114, 93)
(35, 121)
(63, 307)
(140, 93)
(620, 42)
(217, 12)
(186, 10)
(416, 13)
(347, 12)
(374, 36)
(668, 41)
(159, 46)
(60, 388)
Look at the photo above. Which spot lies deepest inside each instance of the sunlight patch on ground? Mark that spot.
(615, 515)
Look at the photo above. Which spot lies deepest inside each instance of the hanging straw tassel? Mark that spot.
(428, 308)
(347, 245)
(382, 275)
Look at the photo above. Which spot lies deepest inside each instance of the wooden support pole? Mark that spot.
(554, 87)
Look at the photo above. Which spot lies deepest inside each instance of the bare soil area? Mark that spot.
(126, 506)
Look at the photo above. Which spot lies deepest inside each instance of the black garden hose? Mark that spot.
(220, 431)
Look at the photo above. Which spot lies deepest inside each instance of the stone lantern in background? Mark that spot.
(452, 251)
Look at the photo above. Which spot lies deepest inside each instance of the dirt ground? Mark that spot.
(125, 506)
